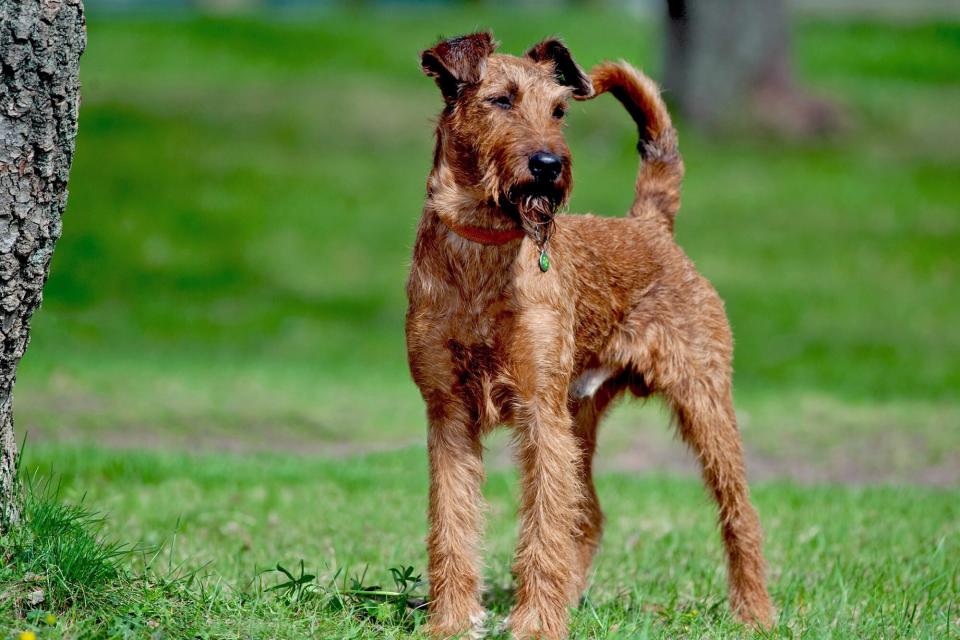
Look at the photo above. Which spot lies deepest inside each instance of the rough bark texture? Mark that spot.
(40, 46)
(728, 63)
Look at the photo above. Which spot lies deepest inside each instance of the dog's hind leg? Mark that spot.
(699, 392)
(587, 413)
(589, 526)
(681, 347)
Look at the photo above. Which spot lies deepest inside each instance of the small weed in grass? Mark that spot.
(399, 607)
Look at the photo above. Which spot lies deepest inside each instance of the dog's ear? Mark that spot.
(566, 71)
(457, 62)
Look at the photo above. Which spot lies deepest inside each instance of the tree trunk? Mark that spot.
(727, 63)
(40, 46)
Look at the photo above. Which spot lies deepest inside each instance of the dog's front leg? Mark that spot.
(546, 555)
(456, 472)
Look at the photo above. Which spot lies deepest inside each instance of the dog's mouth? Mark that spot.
(534, 206)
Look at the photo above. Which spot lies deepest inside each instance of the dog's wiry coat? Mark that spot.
(493, 340)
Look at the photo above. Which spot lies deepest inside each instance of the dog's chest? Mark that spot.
(478, 333)
(461, 327)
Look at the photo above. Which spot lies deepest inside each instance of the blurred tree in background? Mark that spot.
(728, 63)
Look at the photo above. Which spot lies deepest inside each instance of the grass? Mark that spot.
(230, 279)
(845, 561)
(59, 555)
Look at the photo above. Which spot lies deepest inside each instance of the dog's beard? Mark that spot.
(534, 210)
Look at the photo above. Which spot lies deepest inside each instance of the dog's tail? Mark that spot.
(661, 167)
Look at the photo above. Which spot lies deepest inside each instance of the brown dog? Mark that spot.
(519, 317)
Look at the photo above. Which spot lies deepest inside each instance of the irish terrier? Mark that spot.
(517, 316)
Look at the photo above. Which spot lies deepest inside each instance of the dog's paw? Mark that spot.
(756, 611)
(474, 628)
(478, 626)
(529, 624)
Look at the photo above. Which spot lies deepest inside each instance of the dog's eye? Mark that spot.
(559, 111)
(504, 102)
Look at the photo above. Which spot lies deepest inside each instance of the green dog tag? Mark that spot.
(544, 261)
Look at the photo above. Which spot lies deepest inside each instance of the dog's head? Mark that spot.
(501, 131)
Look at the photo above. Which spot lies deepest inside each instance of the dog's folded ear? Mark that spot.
(567, 71)
(457, 62)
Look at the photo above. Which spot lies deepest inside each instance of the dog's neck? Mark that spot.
(467, 210)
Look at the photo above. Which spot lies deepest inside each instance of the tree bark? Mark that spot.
(727, 63)
(40, 46)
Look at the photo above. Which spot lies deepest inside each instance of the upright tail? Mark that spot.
(661, 167)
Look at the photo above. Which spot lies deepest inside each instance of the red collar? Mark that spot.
(486, 236)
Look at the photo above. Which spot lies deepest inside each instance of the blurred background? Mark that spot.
(249, 175)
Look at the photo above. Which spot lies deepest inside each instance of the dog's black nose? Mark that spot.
(545, 167)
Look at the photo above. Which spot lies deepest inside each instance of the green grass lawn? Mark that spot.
(845, 562)
(219, 362)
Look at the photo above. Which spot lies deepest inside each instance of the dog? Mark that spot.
(523, 317)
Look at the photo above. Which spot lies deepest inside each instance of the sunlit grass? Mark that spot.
(844, 562)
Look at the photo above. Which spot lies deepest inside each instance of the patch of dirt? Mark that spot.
(849, 463)
(262, 442)
(865, 446)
